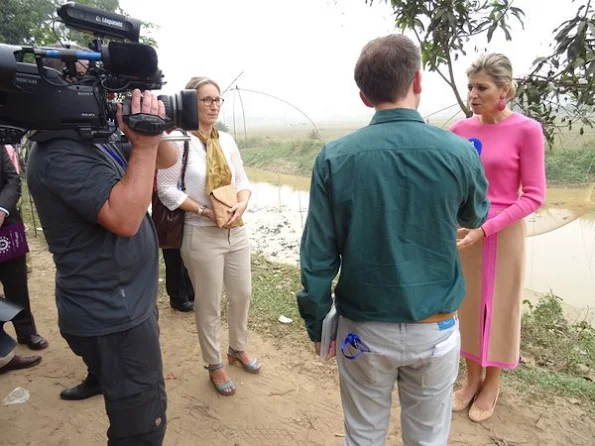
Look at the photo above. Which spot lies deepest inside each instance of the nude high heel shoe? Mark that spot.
(459, 404)
(478, 415)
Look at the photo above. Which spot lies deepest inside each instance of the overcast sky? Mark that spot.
(304, 51)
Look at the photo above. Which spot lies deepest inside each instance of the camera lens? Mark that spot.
(182, 109)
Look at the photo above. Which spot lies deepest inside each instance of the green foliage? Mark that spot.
(273, 294)
(34, 22)
(314, 135)
(553, 383)
(556, 344)
(26, 22)
(558, 92)
(222, 127)
(564, 167)
(291, 156)
(443, 29)
(570, 167)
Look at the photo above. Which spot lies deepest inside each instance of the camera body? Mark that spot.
(48, 103)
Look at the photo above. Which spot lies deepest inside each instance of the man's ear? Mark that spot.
(417, 83)
(365, 100)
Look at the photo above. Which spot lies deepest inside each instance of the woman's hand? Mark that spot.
(204, 211)
(467, 237)
(208, 213)
(236, 212)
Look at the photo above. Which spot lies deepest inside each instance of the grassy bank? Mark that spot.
(558, 356)
(289, 156)
(570, 167)
(564, 167)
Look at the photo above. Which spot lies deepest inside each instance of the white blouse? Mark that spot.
(196, 176)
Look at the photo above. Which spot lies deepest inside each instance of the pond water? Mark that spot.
(561, 260)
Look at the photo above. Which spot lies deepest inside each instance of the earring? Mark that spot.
(501, 105)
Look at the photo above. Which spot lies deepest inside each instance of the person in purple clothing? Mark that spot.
(13, 271)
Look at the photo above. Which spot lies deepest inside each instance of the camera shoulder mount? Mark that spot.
(83, 135)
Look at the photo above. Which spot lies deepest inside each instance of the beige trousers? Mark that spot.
(216, 258)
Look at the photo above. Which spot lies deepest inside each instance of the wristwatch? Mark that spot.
(201, 208)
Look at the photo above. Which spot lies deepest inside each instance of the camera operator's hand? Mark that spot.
(129, 199)
(149, 105)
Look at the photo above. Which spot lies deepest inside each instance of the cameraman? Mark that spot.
(92, 204)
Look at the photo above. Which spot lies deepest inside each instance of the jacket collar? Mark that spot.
(396, 114)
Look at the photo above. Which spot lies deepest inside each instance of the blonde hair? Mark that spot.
(498, 67)
(198, 81)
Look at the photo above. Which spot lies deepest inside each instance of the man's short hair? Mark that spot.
(386, 68)
(57, 64)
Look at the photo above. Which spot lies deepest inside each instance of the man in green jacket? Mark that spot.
(385, 205)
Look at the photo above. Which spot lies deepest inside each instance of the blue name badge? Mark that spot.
(448, 323)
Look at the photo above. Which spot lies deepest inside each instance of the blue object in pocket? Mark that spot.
(353, 346)
(446, 324)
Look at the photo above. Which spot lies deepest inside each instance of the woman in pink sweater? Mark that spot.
(511, 147)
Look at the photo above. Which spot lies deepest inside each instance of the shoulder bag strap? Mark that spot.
(182, 181)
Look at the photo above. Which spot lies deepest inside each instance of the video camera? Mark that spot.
(53, 103)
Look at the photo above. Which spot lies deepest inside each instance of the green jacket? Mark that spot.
(385, 205)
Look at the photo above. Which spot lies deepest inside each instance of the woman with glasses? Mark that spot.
(215, 257)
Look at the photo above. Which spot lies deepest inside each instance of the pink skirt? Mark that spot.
(490, 315)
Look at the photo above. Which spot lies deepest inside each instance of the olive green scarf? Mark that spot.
(218, 171)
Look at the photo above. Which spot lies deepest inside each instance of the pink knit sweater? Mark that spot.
(512, 152)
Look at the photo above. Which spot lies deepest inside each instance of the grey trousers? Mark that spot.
(423, 359)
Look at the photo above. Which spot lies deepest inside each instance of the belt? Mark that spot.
(438, 317)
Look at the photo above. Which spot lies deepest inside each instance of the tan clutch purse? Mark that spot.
(223, 199)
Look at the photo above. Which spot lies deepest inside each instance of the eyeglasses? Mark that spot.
(209, 101)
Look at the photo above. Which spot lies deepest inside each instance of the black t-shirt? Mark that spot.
(105, 283)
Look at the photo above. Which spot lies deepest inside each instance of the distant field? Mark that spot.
(327, 132)
(566, 139)
(284, 156)
(571, 163)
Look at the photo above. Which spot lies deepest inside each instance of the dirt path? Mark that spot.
(294, 402)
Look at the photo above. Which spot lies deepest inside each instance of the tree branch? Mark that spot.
(433, 66)
(454, 88)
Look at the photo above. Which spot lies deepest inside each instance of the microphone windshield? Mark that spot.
(130, 59)
(477, 144)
